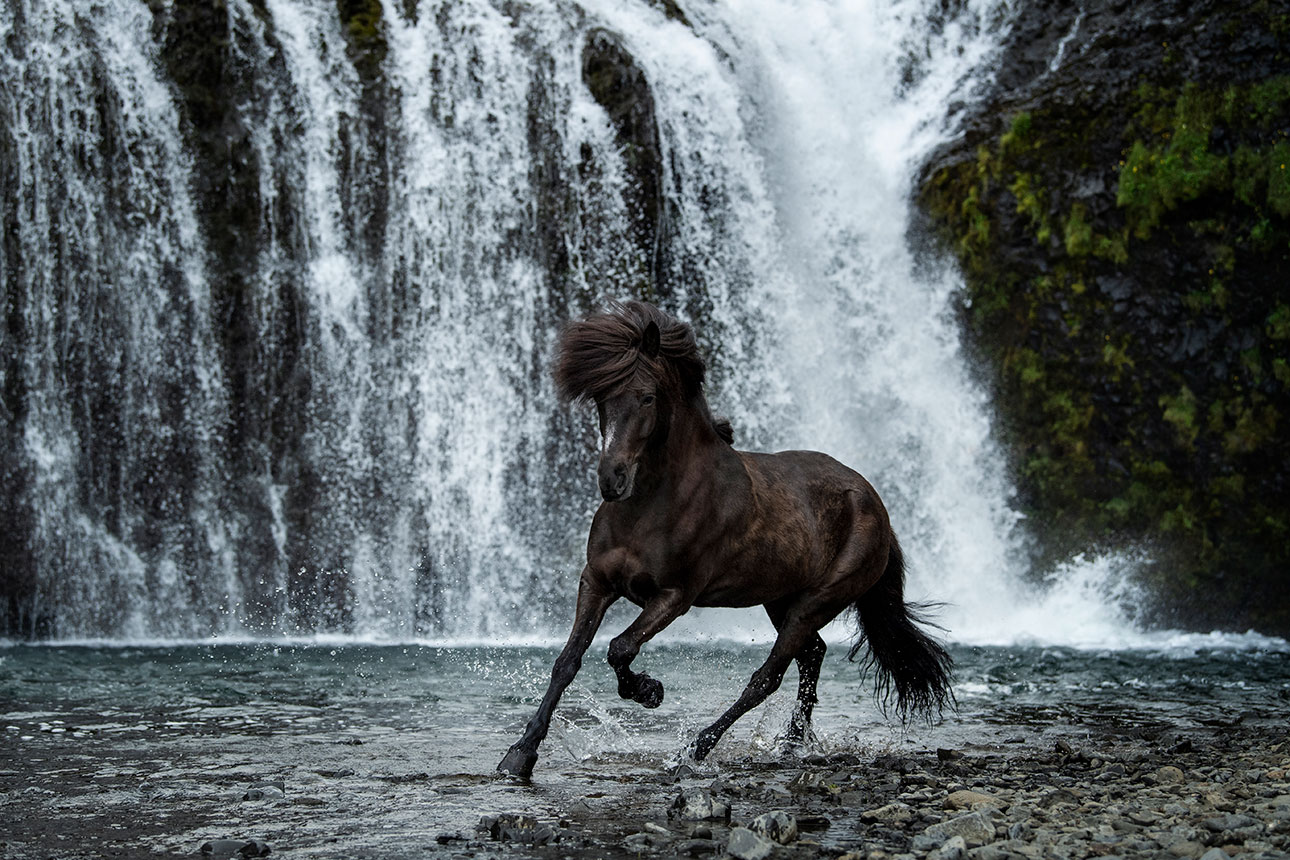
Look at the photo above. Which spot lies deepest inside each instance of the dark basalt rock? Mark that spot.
(619, 85)
(1122, 218)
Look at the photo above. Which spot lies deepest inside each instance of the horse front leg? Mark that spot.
(657, 614)
(593, 600)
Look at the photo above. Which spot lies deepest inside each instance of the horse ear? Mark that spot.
(650, 340)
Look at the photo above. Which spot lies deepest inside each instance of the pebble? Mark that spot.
(975, 828)
(955, 848)
(892, 813)
(776, 826)
(746, 845)
(697, 804)
(218, 848)
(965, 799)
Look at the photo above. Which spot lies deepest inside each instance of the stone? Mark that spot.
(698, 805)
(954, 848)
(695, 847)
(275, 790)
(517, 827)
(222, 847)
(1020, 830)
(776, 826)
(894, 814)
(1170, 775)
(746, 845)
(1215, 854)
(1231, 821)
(638, 842)
(966, 799)
(975, 828)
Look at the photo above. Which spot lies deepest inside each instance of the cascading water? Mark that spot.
(275, 346)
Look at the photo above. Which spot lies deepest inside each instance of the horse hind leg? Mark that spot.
(809, 662)
(808, 668)
(794, 636)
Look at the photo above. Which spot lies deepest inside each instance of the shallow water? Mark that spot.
(205, 721)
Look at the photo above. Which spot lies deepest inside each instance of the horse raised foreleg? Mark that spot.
(657, 614)
(592, 603)
(792, 639)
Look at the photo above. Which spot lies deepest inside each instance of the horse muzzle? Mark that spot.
(616, 480)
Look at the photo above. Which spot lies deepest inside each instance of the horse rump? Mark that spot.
(904, 659)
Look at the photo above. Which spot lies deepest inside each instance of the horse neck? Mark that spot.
(690, 437)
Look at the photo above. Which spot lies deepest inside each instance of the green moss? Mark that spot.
(364, 26)
(1278, 323)
(1078, 232)
(1031, 203)
(1129, 393)
(1278, 172)
(1018, 135)
(1180, 411)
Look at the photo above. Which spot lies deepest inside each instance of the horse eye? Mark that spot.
(647, 400)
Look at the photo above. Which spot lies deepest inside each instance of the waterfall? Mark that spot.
(278, 311)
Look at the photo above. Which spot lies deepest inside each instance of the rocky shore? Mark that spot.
(1224, 796)
(1220, 792)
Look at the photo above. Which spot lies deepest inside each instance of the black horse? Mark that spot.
(689, 521)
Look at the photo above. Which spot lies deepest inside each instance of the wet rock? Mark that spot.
(893, 814)
(695, 847)
(266, 791)
(517, 827)
(256, 848)
(218, 848)
(746, 845)
(222, 847)
(975, 828)
(698, 805)
(776, 826)
(645, 842)
(813, 822)
(965, 799)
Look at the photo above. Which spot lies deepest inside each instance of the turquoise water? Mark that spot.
(474, 700)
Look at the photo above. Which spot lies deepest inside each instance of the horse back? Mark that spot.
(805, 521)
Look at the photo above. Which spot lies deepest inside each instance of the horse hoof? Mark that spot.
(518, 762)
(649, 692)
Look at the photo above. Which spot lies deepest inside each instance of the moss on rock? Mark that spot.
(1126, 250)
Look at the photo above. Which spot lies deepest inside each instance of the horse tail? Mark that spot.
(904, 658)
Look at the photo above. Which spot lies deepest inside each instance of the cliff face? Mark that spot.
(1120, 208)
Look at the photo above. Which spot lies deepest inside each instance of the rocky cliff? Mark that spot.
(1120, 208)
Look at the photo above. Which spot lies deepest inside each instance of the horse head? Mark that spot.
(629, 419)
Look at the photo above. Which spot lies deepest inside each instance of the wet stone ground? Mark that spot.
(72, 788)
(387, 751)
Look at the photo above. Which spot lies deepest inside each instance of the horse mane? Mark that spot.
(597, 356)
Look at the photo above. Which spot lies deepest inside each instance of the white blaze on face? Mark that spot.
(608, 439)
